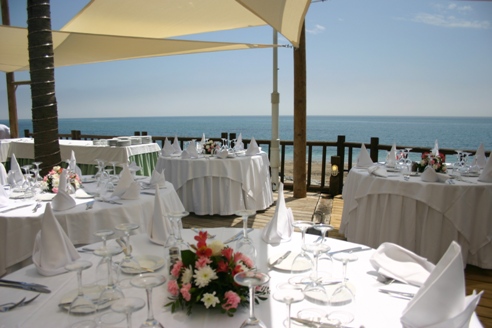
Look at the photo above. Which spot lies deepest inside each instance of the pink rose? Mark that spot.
(173, 288)
(185, 291)
(231, 300)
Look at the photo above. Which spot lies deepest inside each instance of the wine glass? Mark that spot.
(288, 294)
(343, 295)
(115, 175)
(128, 306)
(252, 279)
(37, 178)
(302, 261)
(244, 244)
(176, 217)
(102, 266)
(81, 304)
(149, 281)
(128, 263)
(111, 292)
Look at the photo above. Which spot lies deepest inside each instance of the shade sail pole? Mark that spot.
(275, 142)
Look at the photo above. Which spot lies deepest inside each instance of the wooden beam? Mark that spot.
(300, 187)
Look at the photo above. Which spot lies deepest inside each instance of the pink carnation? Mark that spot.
(231, 300)
(185, 291)
(246, 260)
(202, 261)
(176, 269)
(172, 287)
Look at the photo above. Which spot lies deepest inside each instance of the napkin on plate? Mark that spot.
(435, 150)
(62, 201)
(280, 226)
(430, 175)
(177, 147)
(62, 181)
(203, 139)
(364, 160)
(72, 165)
(185, 154)
(396, 262)
(253, 148)
(480, 156)
(391, 159)
(18, 177)
(168, 149)
(191, 149)
(3, 175)
(160, 226)
(486, 175)
(52, 247)
(157, 179)
(378, 171)
(442, 301)
(239, 145)
(127, 187)
(222, 153)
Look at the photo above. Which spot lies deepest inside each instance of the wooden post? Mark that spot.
(300, 189)
(374, 149)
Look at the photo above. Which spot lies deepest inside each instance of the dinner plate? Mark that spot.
(46, 197)
(88, 180)
(392, 169)
(149, 263)
(470, 175)
(80, 193)
(91, 291)
(286, 264)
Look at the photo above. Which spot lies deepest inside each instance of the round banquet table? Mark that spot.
(19, 227)
(421, 216)
(374, 309)
(210, 185)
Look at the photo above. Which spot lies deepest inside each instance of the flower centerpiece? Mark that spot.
(435, 161)
(204, 277)
(209, 147)
(51, 181)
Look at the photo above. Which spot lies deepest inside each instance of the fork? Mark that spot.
(38, 205)
(9, 306)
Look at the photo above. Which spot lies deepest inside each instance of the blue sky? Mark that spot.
(377, 57)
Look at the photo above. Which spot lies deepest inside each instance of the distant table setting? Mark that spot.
(125, 199)
(421, 211)
(218, 183)
(87, 152)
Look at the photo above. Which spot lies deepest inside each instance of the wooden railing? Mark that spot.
(343, 156)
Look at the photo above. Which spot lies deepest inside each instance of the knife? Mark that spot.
(26, 287)
(237, 236)
(280, 259)
(312, 323)
(405, 294)
(22, 283)
(351, 250)
(15, 208)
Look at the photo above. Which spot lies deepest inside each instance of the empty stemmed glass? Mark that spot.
(128, 263)
(111, 292)
(244, 244)
(115, 174)
(102, 266)
(81, 304)
(128, 306)
(252, 279)
(343, 294)
(288, 294)
(149, 281)
(176, 218)
(302, 261)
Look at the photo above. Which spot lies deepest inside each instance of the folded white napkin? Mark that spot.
(62, 201)
(168, 149)
(222, 153)
(253, 148)
(203, 139)
(177, 147)
(132, 192)
(280, 226)
(80, 193)
(160, 226)
(185, 154)
(396, 262)
(378, 171)
(430, 175)
(125, 182)
(157, 179)
(4, 197)
(52, 247)
(15, 168)
(391, 159)
(441, 301)
(364, 160)
(62, 182)
(480, 156)
(72, 165)
(191, 149)
(3, 175)
(239, 145)
(435, 150)
(486, 175)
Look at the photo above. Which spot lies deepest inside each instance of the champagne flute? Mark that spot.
(128, 306)
(149, 281)
(252, 279)
(244, 244)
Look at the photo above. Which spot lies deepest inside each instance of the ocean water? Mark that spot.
(451, 132)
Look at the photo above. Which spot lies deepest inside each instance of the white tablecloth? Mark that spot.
(210, 185)
(18, 228)
(374, 309)
(421, 216)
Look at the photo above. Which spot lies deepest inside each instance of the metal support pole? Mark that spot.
(275, 142)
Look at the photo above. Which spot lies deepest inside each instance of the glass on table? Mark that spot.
(288, 294)
(102, 266)
(81, 304)
(128, 306)
(111, 292)
(148, 282)
(128, 263)
(244, 244)
(252, 279)
(302, 261)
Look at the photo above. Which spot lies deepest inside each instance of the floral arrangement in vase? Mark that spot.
(209, 147)
(51, 181)
(204, 277)
(435, 161)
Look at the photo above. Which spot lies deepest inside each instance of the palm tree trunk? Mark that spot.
(41, 63)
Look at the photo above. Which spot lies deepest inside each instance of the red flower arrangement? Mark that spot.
(435, 161)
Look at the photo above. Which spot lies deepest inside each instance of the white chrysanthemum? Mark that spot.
(210, 300)
(204, 275)
(187, 275)
(55, 182)
(216, 246)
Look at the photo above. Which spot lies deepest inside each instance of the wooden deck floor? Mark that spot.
(319, 207)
